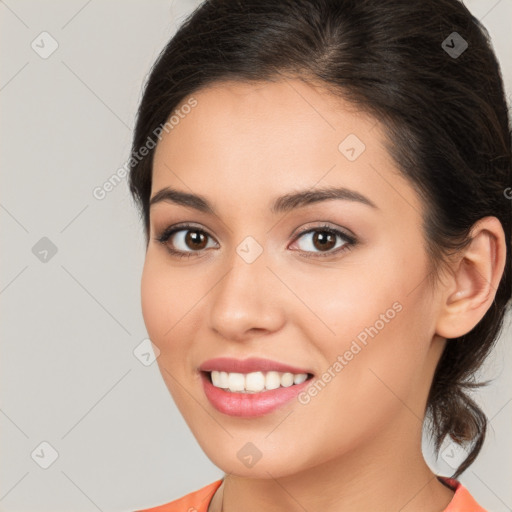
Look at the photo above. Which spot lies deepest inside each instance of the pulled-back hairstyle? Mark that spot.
(445, 117)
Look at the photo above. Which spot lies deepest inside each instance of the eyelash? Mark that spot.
(349, 240)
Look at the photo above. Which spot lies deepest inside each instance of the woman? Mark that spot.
(328, 240)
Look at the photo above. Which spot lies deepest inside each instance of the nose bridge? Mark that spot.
(241, 299)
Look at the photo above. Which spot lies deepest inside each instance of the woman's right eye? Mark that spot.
(183, 238)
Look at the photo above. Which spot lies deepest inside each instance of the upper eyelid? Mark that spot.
(325, 225)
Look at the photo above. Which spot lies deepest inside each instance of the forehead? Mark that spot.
(252, 141)
(285, 110)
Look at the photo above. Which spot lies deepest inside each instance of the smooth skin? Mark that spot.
(356, 446)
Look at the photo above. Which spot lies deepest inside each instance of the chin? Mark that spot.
(247, 461)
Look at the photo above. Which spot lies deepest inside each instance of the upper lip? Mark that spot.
(252, 364)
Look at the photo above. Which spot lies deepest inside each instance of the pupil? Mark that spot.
(322, 237)
(194, 238)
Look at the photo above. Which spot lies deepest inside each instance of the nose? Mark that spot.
(247, 299)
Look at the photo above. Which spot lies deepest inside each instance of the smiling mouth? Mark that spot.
(254, 382)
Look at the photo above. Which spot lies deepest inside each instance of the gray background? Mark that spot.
(71, 320)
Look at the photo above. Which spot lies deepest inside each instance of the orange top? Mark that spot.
(199, 501)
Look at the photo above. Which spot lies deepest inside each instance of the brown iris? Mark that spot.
(325, 240)
(195, 239)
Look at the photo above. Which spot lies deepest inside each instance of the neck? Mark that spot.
(374, 477)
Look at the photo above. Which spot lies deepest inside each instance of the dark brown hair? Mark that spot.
(444, 111)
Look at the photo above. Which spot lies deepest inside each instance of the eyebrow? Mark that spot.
(281, 204)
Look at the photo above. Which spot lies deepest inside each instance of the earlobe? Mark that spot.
(474, 280)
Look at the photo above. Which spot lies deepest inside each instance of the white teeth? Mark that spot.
(236, 381)
(300, 378)
(287, 380)
(223, 380)
(272, 380)
(255, 382)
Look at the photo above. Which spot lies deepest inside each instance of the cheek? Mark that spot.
(163, 305)
(377, 315)
(158, 298)
(344, 301)
(171, 301)
(370, 383)
(385, 353)
(151, 301)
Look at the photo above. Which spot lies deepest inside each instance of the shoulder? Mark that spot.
(462, 500)
(196, 501)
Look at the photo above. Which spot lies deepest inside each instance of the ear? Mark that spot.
(474, 279)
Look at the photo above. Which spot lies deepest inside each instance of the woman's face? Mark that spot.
(261, 277)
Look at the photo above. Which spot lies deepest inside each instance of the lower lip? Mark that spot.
(250, 405)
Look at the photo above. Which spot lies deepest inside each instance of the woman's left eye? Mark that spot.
(322, 238)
